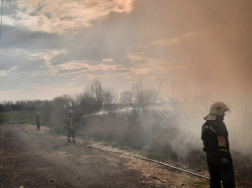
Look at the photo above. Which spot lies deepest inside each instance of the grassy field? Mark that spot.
(28, 117)
(18, 117)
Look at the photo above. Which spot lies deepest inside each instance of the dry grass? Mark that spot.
(196, 162)
(155, 173)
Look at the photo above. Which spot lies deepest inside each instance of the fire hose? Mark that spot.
(146, 159)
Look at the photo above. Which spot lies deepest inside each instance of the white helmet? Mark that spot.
(70, 112)
(218, 108)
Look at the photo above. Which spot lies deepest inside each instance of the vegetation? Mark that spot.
(22, 105)
(136, 123)
(197, 184)
(18, 117)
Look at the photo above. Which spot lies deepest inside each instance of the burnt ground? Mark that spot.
(32, 158)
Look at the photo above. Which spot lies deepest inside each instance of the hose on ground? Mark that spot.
(143, 158)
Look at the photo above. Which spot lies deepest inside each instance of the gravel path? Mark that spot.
(32, 158)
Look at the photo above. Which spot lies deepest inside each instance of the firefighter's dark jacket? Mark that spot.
(211, 129)
(71, 122)
(37, 120)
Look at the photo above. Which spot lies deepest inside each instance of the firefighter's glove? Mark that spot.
(224, 155)
(205, 150)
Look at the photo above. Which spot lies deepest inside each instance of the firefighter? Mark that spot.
(71, 125)
(38, 121)
(216, 145)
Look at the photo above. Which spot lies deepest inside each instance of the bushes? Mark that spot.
(243, 167)
(159, 135)
(133, 128)
(21, 105)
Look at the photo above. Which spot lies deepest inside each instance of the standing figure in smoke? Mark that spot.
(38, 121)
(216, 145)
(71, 125)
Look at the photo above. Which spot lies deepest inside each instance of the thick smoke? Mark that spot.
(175, 122)
(206, 44)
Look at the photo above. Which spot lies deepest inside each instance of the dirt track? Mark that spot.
(32, 158)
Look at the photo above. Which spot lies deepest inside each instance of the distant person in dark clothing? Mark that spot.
(38, 121)
(71, 125)
(216, 145)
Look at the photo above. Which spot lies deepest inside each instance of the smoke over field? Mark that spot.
(137, 72)
(163, 121)
(164, 118)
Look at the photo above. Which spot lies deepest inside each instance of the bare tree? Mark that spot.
(143, 97)
(126, 97)
(174, 89)
(64, 102)
(108, 96)
(94, 97)
(60, 106)
(86, 103)
(96, 91)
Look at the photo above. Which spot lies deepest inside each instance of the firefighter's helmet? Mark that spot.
(70, 112)
(218, 108)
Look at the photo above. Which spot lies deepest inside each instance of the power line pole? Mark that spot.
(1, 21)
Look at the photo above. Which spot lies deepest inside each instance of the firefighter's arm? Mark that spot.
(223, 149)
(222, 141)
(204, 146)
(65, 123)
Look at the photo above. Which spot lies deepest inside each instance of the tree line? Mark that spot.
(21, 105)
(94, 98)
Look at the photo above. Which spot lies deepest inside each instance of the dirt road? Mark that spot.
(32, 158)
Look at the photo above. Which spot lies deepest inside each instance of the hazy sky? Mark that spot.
(54, 47)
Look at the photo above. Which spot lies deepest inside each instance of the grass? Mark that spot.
(151, 155)
(28, 117)
(199, 184)
(104, 142)
(19, 117)
(118, 146)
(148, 154)
(49, 131)
(85, 137)
(22, 117)
(155, 155)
